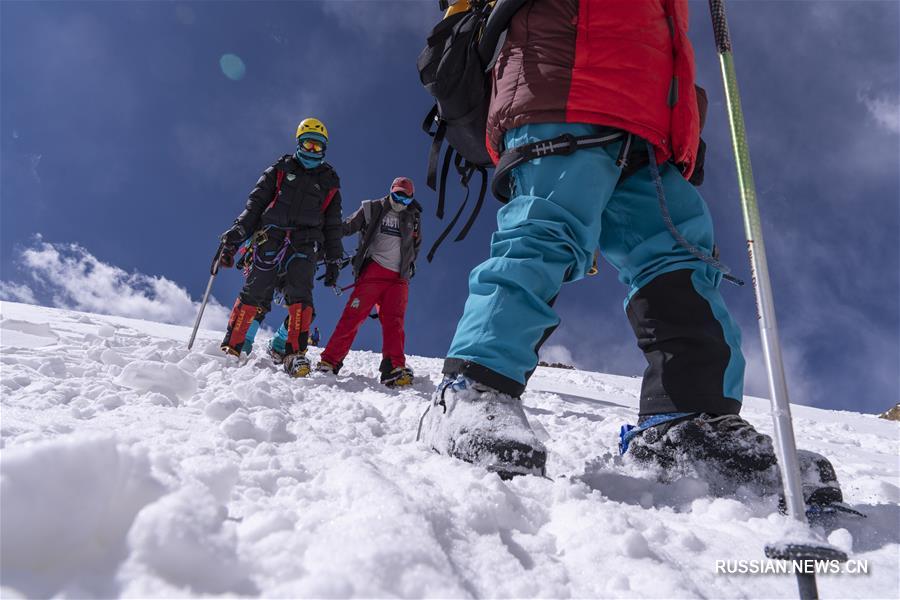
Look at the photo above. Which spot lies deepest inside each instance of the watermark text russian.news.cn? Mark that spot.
(791, 567)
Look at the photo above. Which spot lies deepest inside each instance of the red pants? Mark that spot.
(386, 288)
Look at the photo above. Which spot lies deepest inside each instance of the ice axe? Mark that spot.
(343, 264)
(213, 270)
(810, 548)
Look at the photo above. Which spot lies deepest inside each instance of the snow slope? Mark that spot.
(132, 467)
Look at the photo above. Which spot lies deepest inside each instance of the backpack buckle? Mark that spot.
(571, 144)
(260, 237)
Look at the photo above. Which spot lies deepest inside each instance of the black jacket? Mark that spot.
(308, 203)
(366, 221)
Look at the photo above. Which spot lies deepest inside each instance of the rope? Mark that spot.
(667, 218)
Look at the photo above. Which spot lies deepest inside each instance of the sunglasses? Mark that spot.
(311, 145)
(402, 198)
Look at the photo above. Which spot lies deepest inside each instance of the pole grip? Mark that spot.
(217, 259)
(720, 26)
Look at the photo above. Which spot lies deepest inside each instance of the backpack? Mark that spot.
(455, 68)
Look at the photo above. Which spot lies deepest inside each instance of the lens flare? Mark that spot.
(232, 66)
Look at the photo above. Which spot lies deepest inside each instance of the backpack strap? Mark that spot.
(446, 231)
(559, 146)
(442, 193)
(438, 139)
(278, 179)
(466, 170)
(430, 119)
(331, 194)
(478, 204)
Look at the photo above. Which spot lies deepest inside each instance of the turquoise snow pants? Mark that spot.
(562, 209)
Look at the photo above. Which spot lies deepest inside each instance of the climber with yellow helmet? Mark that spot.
(291, 220)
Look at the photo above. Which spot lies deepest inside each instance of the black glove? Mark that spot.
(332, 270)
(224, 258)
(234, 237)
(228, 253)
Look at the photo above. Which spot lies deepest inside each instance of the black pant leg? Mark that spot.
(299, 278)
(261, 280)
(684, 345)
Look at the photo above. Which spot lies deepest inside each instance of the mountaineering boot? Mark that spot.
(722, 450)
(274, 353)
(399, 377)
(326, 367)
(818, 479)
(821, 490)
(239, 323)
(394, 376)
(479, 425)
(297, 365)
(726, 450)
(276, 346)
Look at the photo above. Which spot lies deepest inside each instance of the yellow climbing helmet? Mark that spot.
(312, 125)
(458, 6)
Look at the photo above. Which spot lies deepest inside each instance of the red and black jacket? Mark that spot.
(306, 202)
(623, 64)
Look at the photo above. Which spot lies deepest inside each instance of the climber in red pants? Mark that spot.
(389, 239)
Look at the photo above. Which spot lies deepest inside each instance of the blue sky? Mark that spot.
(120, 133)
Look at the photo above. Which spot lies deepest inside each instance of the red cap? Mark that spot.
(403, 184)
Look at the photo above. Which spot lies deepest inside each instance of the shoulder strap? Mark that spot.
(378, 209)
(495, 29)
(278, 179)
(331, 194)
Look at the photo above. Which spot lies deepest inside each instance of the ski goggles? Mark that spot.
(402, 198)
(311, 145)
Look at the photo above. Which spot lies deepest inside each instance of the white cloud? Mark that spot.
(16, 293)
(71, 277)
(556, 353)
(802, 388)
(885, 111)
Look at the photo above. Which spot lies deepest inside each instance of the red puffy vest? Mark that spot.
(620, 63)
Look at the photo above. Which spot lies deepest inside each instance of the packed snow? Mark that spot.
(132, 467)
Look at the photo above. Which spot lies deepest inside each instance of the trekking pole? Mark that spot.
(213, 270)
(768, 328)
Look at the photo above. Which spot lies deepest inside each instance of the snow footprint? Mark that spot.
(164, 378)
